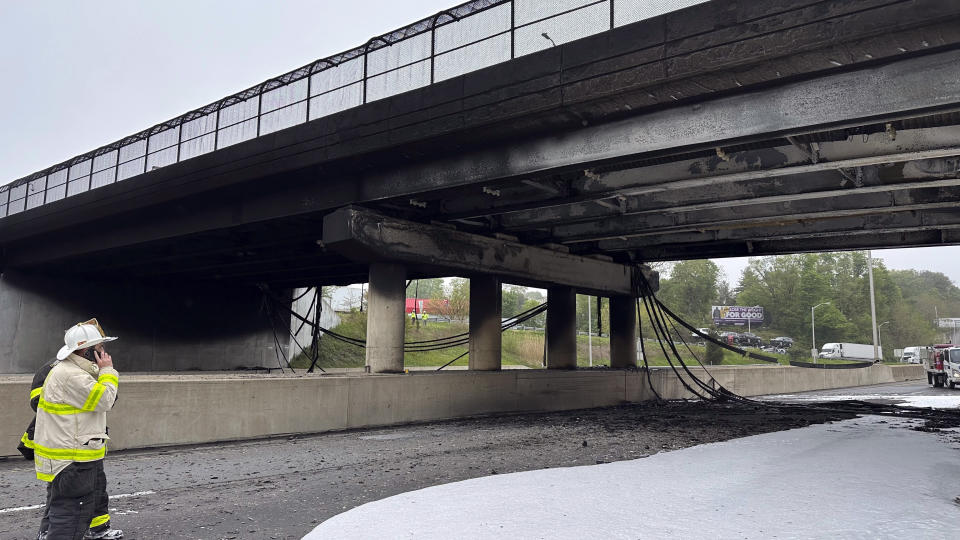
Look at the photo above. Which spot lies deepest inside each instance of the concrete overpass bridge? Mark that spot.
(551, 144)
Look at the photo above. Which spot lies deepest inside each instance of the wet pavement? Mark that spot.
(283, 488)
(911, 394)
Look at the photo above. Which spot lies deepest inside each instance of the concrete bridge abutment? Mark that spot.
(162, 327)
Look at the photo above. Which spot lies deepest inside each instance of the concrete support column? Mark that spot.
(485, 309)
(623, 332)
(561, 328)
(385, 319)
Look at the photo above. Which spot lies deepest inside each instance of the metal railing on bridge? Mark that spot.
(459, 40)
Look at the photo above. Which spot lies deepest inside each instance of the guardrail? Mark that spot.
(459, 40)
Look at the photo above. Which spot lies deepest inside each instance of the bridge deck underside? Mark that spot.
(862, 187)
(820, 140)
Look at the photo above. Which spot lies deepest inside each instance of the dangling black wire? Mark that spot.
(643, 353)
(315, 331)
(666, 331)
(660, 339)
(307, 290)
(527, 315)
(661, 320)
(454, 360)
(309, 309)
(273, 327)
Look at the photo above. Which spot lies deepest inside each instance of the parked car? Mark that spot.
(705, 331)
(782, 342)
(730, 338)
(749, 339)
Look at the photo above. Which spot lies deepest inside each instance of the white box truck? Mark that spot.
(848, 351)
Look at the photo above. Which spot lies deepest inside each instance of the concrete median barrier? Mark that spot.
(160, 410)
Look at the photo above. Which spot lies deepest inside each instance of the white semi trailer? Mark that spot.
(848, 351)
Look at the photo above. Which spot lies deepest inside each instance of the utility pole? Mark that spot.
(879, 335)
(873, 309)
(813, 330)
(599, 316)
(589, 334)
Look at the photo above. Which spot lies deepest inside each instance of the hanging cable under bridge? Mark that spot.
(662, 319)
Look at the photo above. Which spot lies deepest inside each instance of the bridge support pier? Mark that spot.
(561, 328)
(485, 336)
(623, 332)
(385, 319)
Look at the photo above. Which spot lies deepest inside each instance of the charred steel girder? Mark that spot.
(366, 236)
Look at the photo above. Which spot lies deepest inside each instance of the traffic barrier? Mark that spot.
(161, 410)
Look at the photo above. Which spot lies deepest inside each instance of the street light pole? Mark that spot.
(873, 309)
(879, 337)
(813, 331)
(589, 334)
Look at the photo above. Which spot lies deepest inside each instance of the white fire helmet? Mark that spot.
(81, 336)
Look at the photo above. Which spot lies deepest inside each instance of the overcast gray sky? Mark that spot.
(78, 75)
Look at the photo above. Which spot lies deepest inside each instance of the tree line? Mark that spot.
(787, 287)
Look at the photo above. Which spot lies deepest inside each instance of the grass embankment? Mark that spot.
(520, 348)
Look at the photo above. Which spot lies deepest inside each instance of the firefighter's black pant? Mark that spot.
(102, 507)
(73, 499)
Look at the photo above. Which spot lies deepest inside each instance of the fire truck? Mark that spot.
(942, 364)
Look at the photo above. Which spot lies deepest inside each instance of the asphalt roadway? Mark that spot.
(282, 488)
(916, 393)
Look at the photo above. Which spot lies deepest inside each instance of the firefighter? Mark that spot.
(100, 524)
(70, 436)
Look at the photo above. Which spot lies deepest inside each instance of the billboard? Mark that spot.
(736, 314)
(948, 322)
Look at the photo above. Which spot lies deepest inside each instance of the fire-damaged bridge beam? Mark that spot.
(370, 237)
(784, 172)
(897, 90)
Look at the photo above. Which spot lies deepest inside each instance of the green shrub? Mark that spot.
(714, 355)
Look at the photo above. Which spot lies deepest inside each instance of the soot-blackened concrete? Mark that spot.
(161, 327)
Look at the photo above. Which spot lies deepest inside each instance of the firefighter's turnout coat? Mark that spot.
(26, 441)
(72, 415)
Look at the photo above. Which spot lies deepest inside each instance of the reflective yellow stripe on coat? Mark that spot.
(58, 408)
(94, 398)
(69, 454)
(107, 378)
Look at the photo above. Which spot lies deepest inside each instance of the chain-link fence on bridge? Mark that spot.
(459, 40)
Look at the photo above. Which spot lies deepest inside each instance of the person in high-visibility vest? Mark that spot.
(100, 524)
(413, 318)
(423, 317)
(70, 437)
